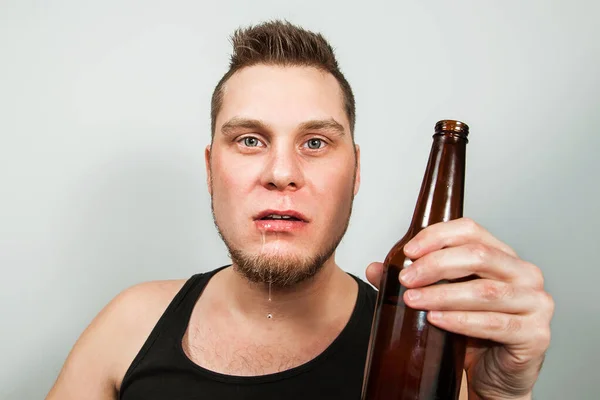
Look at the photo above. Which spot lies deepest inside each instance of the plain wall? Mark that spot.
(104, 116)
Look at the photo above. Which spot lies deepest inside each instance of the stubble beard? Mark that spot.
(283, 272)
(279, 270)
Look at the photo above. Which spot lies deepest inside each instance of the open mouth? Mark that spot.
(281, 221)
(277, 217)
(280, 215)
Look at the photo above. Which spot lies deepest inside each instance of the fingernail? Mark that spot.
(413, 294)
(435, 315)
(408, 275)
(411, 247)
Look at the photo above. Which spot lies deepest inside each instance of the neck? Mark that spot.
(313, 300)
(229, 330)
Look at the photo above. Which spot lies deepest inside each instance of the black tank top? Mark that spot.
(162, 371)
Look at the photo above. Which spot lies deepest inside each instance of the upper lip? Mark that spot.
(291, 213)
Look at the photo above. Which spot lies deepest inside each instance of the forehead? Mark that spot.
(283, 97)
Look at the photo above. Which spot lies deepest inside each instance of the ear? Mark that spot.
(357, 179)
(208, 170)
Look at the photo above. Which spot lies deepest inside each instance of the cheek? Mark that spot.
(229, 187)
(231, 178)
(335, 186)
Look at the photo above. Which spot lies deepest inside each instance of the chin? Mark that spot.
(280, 270)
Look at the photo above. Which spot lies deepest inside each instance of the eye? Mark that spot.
(251, 141)
(315, 143)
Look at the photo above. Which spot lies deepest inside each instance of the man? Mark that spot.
(284, 321)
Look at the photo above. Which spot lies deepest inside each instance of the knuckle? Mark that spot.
(542, 338)
(499, 322)
(545, 338)
(462, 319)
(494, 322)
(547, 302)
(512, 325)
(509, 250)
(470, 225)
(493, 291)
(538, 327)
(480, 252)
(536, 275)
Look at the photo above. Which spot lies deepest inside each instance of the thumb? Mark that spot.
(374, 272)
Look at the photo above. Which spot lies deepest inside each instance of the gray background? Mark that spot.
(104, 115)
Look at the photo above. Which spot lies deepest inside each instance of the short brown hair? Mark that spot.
(282, 43)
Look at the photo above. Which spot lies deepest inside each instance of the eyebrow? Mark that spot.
(323, 125)
(313, 125)
(243, 123)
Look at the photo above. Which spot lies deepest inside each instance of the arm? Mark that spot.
(99, 359)
(87, 372)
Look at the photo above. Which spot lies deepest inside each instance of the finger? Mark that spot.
(452, 233)
(503, 328)
(476, 295)
(522, 340)
(462, 261)
(374, 272)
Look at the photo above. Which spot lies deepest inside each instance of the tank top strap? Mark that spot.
(175, 319)
(183, 304)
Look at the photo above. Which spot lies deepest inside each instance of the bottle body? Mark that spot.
(408, 358)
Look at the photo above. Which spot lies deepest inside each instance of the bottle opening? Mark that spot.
(450, 125)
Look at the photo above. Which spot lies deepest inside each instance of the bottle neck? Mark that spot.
(442, 189)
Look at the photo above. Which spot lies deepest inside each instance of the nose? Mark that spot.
(283, 171)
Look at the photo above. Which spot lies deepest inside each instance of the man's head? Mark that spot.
(282, 166)
(282, 44)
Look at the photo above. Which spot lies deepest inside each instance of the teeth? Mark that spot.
(274, 216)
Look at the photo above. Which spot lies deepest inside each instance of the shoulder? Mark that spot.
(144, 302)
(108, 345)
(139, 306)
(131, 317)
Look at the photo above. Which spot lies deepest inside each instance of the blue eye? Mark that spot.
(251, 141)
(315, 144)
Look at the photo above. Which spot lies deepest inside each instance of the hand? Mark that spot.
(505, 313)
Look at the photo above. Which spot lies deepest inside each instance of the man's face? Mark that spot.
(282, 171)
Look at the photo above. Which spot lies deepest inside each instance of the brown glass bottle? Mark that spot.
(408, 358)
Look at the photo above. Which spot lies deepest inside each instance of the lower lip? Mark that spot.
(278, 225)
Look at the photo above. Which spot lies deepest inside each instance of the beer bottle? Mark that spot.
(408, 358)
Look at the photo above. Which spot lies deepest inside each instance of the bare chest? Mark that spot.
(249, 353)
